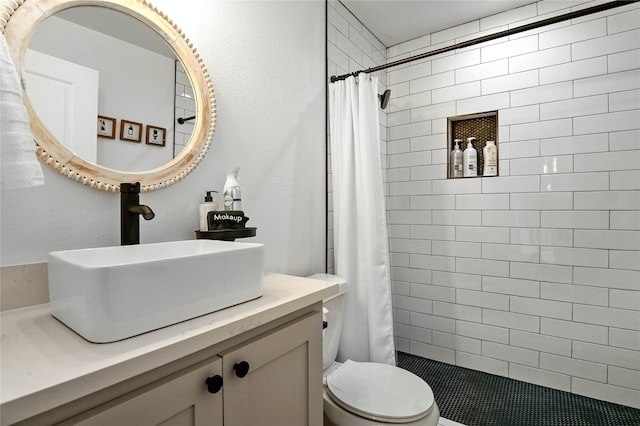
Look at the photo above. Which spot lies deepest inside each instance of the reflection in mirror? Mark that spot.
(84, 62)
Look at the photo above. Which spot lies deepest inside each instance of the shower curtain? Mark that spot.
(360, 231)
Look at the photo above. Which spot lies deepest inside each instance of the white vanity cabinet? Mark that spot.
(283, 385)
(274, 379)
(265, 354)
(178, 400)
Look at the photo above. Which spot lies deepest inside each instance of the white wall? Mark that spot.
(266, 60)
(535, 274)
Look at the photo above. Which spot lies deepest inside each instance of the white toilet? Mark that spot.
(368, 393)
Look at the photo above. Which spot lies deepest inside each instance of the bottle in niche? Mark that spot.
(470, 159)
(490, 159)
(456, 159)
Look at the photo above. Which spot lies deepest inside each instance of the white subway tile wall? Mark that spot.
(535, 274)
(185, 106)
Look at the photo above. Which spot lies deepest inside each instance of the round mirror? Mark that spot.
(114, 91)
(86, 62)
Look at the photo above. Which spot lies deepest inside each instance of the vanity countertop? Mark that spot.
(44, 364)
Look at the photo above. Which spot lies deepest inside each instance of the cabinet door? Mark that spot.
(283, 384)
(179, 400)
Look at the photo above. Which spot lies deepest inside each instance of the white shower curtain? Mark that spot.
(360, 231)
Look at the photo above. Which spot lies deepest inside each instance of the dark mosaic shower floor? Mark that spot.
(475, 398)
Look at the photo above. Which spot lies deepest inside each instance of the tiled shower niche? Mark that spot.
(483, 126)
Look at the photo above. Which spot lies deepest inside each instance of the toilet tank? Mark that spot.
(332, 314)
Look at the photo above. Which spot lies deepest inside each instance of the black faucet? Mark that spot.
(130, 212)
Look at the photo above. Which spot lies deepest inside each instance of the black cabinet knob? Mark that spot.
(214, 383)
(241, 368)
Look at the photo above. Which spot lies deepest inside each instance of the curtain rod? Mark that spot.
(500, 34)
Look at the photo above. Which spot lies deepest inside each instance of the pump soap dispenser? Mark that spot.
(456, 159)
(208, 205)
(470, 159)
(232, 197)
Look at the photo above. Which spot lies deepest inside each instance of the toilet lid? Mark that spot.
(380, 392)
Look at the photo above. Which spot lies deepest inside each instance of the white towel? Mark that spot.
(19, 166)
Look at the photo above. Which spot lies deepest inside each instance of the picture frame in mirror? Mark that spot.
(106, 127)
(130, 131)
(156, 135)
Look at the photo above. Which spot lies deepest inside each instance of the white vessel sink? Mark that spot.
(111, 293)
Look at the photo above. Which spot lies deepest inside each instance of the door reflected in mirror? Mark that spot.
(89, 61)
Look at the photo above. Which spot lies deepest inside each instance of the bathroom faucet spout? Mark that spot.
(142, 210)
(130, 212)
